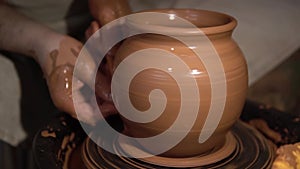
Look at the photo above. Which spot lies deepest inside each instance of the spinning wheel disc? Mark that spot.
(244, 148)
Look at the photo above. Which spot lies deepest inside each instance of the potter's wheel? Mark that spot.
(59, 143)
(124, 147)
(244, 148)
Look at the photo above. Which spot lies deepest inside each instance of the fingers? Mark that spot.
(60, 84)
(60, 88)
(91, 110)
(103, 79)
(86, 68)
(86, 109)
(110, 58)
(107, 108)
(75, 99)
(94, 26)
(105, 11)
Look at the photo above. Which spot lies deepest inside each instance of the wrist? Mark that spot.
(63, 51)
(57, 50)
(43, 47)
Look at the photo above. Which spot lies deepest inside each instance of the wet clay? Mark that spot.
(288, 156)
(46, 133)
(64, 71)
(263, 127)
(218, 28)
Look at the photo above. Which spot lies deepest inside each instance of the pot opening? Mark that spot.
(176, 20)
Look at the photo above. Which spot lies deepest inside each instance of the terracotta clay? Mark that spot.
(218, 28)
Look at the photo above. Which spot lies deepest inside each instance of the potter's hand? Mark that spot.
(103, 89)
(105, 11)
(104, 75)
(58, 66)
(56, 54)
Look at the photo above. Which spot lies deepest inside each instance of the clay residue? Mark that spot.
(288, 157)
(263, 127)
(47, 133)
(65, 141)
(67, 157)
(53, 56)
(64, 123)
(72, 136)
(61, 74)
(66, 149)
(75, 52)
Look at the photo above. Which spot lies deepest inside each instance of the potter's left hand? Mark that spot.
(103, 78)
(105, 11)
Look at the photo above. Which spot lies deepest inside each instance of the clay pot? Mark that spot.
(218, 28)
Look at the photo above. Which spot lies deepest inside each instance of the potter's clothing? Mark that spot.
(267, 32)
(65, 16)
(25, 104)
(10, 92)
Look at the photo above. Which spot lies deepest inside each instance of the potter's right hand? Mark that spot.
(58, 66)
(56, 54)
(105, 11)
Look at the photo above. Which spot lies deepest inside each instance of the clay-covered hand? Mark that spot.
(105, 11)
(58, 66)
(103, 89)
(56, 53)
(103, 77)
(94, 26)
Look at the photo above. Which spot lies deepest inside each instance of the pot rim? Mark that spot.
(228, 23)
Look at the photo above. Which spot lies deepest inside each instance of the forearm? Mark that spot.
(20, 34)
(56, 54)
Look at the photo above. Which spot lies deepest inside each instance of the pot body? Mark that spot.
(218, 30)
